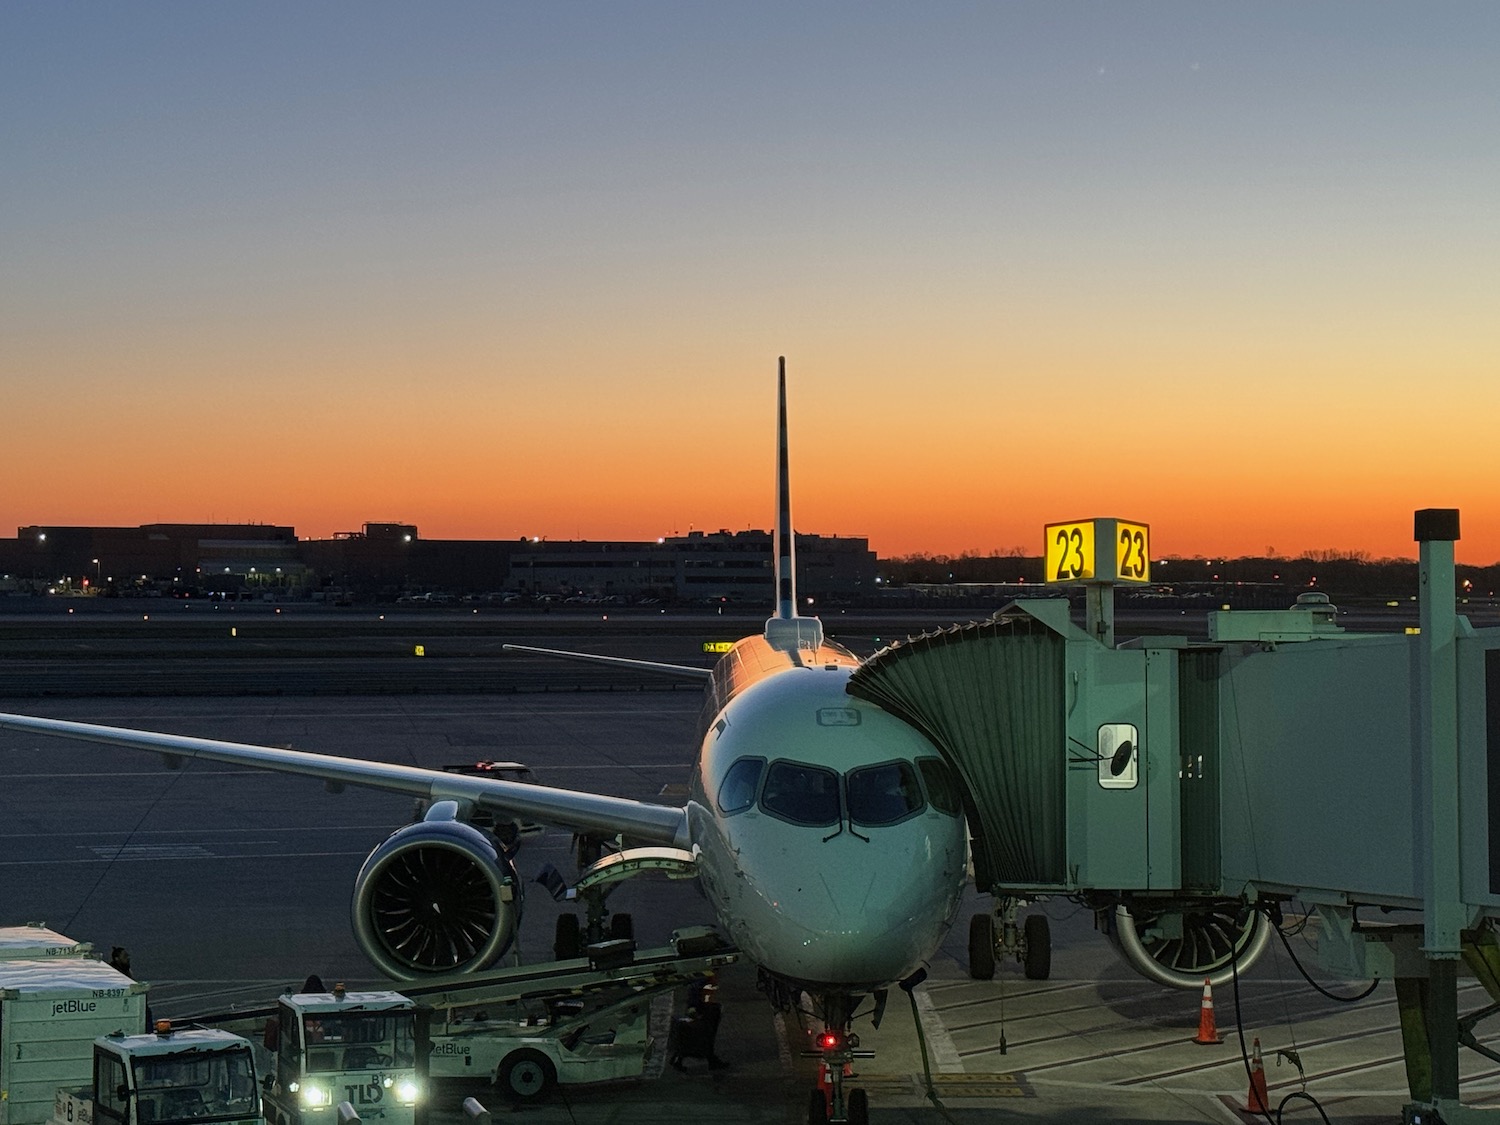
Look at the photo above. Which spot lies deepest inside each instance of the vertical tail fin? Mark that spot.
(785, 629)
(784, 539)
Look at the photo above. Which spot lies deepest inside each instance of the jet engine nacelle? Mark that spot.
(1182, 943)
(436, 897)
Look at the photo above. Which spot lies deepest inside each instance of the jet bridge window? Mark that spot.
(883, 794)
(942, 789)
(737, 793)
(802, 794)
(1119, 756)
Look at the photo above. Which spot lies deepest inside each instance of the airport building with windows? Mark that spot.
(385, 561)
(160, 557)
(718, 566)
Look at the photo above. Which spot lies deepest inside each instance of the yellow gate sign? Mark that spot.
(1080, 551)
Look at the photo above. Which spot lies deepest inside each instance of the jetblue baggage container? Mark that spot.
(35, 942)
(51, 1011)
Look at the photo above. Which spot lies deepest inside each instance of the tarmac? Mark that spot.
(227, 886)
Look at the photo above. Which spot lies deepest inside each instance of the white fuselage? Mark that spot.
(856, 902)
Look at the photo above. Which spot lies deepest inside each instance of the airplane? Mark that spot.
(827, 834)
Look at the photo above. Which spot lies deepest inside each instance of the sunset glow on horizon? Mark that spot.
(504, 271)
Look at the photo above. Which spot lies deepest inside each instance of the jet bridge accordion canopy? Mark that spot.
(989, 695)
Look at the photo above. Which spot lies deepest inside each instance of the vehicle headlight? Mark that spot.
(314, 1095)
(406, 1092)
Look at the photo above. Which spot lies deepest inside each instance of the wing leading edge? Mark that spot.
(680, 671)
(566, 808)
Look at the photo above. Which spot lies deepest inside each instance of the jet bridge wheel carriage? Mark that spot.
(1184, 941)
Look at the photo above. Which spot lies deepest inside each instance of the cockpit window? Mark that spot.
(883, 794)
(802, 794)
(942, 787)
(737, 793)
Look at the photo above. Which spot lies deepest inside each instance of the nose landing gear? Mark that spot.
(829, 1100)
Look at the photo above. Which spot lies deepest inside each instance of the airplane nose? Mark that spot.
(863, 922)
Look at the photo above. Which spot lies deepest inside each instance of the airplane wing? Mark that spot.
(681, 671)
(566, 808)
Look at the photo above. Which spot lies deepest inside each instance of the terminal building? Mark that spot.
(384, 561)
(718, 566)
(161, 557)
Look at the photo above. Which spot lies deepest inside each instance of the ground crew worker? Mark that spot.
(693, 1035)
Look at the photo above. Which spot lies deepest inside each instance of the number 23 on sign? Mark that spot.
(1132, 552)
(1079, 552)
(1070, 551)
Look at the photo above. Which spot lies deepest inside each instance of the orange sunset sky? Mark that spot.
(507, 270)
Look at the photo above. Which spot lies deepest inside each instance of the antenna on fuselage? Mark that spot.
(786, 630)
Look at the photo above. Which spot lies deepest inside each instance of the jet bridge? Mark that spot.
(1089, 770)
(1186, 789)
(1251, 765)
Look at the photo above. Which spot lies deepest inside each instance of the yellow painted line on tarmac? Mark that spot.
(946, 1085)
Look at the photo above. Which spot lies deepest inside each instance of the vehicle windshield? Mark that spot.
(339, 1042)
(195, 1087)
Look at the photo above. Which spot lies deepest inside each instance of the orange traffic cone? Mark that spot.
(1208, 1032)
(1257, 1100)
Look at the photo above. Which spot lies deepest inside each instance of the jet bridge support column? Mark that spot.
(1436, 529)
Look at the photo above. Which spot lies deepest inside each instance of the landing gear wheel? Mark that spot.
(566, 943)
(982, 947)
(622, 926)
(859, 1108)
(817, 1108)
(525, 1074)
(1038, 934)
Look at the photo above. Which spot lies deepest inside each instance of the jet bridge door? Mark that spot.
(1111, 766)
(1124, 769)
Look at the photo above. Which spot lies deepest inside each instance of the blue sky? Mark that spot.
(410, 251)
